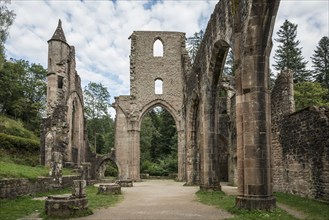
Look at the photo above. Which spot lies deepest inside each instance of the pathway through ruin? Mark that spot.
(159, 199)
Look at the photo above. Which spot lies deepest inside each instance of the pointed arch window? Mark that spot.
(158, 48)
(158, 87)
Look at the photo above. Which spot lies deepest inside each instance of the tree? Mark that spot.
(100, 125)
(320, 60)
(310, 93)
(6, 20)
(289, 55)
(158, 142)
(23, 93)
(193, 44)
(96, 99)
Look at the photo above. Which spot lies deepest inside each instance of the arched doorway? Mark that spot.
(158, 143)
(108, 170)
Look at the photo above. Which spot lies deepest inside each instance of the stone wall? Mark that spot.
(63, 129)
(12, 188)
(300, 142)
(145, 69)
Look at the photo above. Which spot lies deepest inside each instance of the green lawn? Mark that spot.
(11, 209)
(312, 209)
(9, 169)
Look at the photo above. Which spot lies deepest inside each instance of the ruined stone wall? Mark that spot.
(63, 129)
(145, 69)
(246, 27)
(300, 142)
(12, 188)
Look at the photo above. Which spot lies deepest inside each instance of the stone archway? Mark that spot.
(180, 144)
(146, 69)
(101, 162)
(246, 27)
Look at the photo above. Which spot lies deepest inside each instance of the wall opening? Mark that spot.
(158, 48)
(60, 82)
(108, 170)
(158, 86)
(158, 144)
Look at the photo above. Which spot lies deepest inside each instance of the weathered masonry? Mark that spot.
(300, 142)
(192, 94)
(246, 27)
(63, 138)
(156, 79)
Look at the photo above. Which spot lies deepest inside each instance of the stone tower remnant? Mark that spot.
(63, 138)
(146, 69)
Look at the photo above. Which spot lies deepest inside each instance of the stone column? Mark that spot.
(253, 119)
(134, 155)
(181, 153)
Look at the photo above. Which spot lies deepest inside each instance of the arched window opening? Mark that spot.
(108, 170)
(158, 87)
(158, 48)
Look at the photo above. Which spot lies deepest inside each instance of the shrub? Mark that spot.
(16, 144)
(15, 128)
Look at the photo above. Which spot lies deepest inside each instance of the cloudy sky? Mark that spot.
(99, 30)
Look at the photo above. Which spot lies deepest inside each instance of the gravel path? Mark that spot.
(159, 199)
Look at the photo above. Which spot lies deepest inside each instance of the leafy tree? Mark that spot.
(193, 44)
(320, 60)
(289, 55)
(100, 125)
(310, 93)
(6, 20)
(24, 92)
(96, 99)
(158, 141)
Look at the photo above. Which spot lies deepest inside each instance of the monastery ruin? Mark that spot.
(233, 130)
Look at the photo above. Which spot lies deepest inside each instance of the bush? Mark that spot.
(163, 167)
(15, 128)
(16, 144)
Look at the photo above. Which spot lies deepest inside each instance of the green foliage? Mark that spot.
(96, 99)
(18, 144)
(24, 165)
(111, 170)
(24, 93)
(12, 170)
(15, 128)
(320, 60)
(289, 55)
(219, 199)
(310, 93)
(6, 20)
(313, 209)
(100, 125)
(158, 141)
(193, 44)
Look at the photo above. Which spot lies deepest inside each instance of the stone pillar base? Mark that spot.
(255, 203)
(210, 188)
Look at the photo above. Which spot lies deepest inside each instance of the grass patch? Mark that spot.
(17, 208)
(220, 200)
(9, 169)
(311, 208)
(15, 128)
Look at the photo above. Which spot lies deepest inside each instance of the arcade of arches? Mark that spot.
(161, 74)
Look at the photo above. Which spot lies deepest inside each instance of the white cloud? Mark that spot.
(99, 30)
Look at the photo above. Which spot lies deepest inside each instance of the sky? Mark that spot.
(99, 30)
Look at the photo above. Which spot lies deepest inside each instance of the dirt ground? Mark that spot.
(159, 199)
